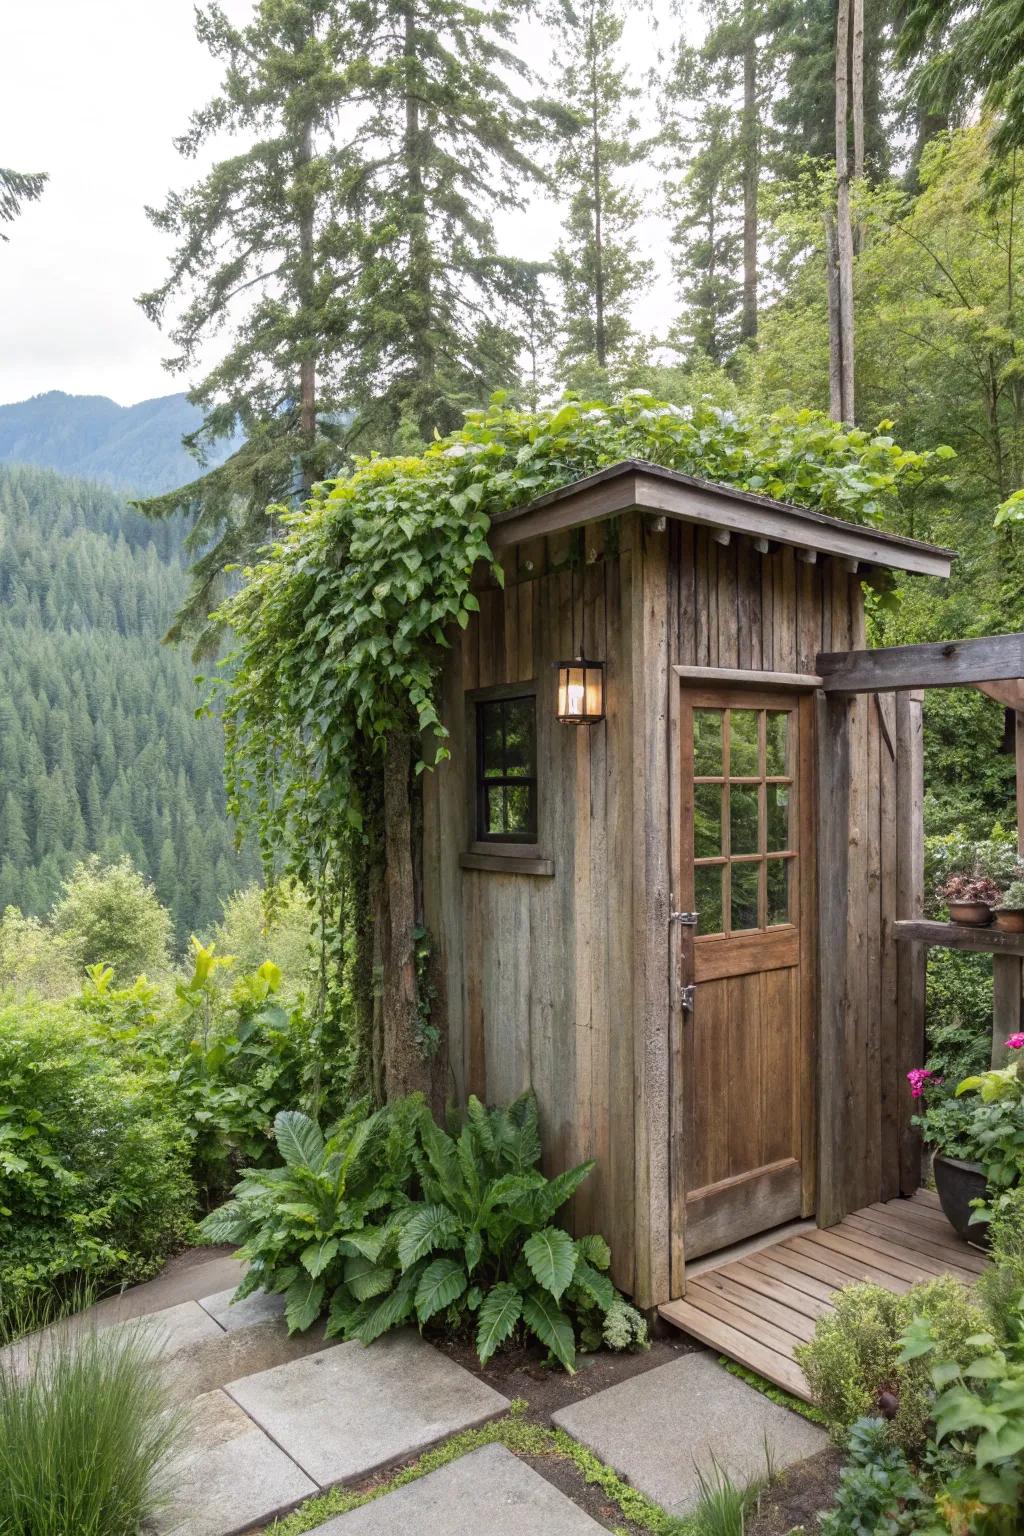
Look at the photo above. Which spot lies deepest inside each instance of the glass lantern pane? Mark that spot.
(743, 812)
(707, 897)
(707, 742)
(745, 880)
(777, 742)
(778, 881)
(744, 757)
(779, 798)
(707, 820)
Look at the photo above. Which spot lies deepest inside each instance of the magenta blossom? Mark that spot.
(918, 1076)
(1016, 1042)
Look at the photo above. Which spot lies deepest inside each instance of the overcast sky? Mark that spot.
(93, 91)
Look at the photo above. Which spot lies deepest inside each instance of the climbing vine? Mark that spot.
(330, 699)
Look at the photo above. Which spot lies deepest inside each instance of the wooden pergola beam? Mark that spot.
(1008, 692)
(939, 664)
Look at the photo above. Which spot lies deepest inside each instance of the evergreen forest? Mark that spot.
(100, 750)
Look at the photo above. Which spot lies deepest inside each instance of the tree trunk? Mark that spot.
(406, 1069)
(600, 338)
(844, 230)
(751, 173)
(306, 285)
(857, 91)
(419, 242)
(835, 352)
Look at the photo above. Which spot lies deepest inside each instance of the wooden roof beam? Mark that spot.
(1009, 692)
(940, 664)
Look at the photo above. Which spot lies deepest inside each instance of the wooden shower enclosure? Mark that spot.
(675, 925)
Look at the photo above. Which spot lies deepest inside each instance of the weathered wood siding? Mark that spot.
(565, 983)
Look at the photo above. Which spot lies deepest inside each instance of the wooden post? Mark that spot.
(911, 958)
(834, 1078)
(1008, 970)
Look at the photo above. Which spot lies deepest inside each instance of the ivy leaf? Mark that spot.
(500, 1310)
(551, 1326)
(551, 1255)
(442, 1282)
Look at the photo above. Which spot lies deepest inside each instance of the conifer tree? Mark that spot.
(598, 262)
(17, 188)
(261, 253)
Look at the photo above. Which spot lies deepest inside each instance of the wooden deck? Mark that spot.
(758, 1308)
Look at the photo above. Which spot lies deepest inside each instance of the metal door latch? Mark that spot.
(689, 919)
(686, 997)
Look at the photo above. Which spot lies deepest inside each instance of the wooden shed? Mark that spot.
(676, 924)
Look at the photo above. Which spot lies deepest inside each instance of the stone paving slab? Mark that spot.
(260, 1307)
(228, 1476)
(347, 1411)
(489, 1490)
(178, 1328)
(657, 1428)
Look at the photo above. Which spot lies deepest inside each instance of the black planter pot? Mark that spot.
(957, 1183)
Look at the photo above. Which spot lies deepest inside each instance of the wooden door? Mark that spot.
(745, 1052)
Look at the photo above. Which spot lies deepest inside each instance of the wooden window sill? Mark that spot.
(507, 863)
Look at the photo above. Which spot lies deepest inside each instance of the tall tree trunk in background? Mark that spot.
(857, 92)
(306, 286)
(751, 174)
(600, 333)
(421, 345)
(841, 397)
(406, 1069)
(835, 350)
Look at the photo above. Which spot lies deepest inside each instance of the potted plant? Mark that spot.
(970, 897)
(1009, 914)
(977, 1135)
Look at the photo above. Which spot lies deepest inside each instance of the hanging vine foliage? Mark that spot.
(342, 627)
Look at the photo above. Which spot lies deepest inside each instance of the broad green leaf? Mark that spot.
(299, 1140)
(500, 1310)
(551, 1255)
(442, 1282)
(316, 1257)
(558, 1190)
(597, 1286)
(429, 1227)
(551, 1327)
(390, 1312)
(595, 1250)
(366, 1279)
(303, 1301)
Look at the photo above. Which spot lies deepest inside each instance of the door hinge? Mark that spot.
(687, 994)
(687, 918)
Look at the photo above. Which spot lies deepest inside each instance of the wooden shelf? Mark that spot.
(959, 936)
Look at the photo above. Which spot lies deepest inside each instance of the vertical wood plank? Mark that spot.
(833, 753)
(910, 982)
(893, 1088)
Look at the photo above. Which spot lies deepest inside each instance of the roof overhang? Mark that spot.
(634, 486)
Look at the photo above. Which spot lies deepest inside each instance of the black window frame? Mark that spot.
(526, 836)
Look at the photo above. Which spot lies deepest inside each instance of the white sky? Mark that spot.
(93, 91)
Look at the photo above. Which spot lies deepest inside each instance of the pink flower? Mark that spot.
(1016, 1042)
(918, 1076)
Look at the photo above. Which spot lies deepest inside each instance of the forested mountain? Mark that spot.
(130, 447)
(99, 746)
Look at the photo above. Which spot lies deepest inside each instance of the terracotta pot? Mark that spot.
(1010, 919)
(975, 914)
(957, 1183)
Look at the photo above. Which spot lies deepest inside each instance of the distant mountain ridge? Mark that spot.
(127, 447)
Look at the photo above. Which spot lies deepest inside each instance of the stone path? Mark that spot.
(490, 1492)
(657, 1429)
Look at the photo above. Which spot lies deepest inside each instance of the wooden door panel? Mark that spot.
(745, 1097)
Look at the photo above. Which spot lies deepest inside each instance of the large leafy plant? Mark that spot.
(391, 1220)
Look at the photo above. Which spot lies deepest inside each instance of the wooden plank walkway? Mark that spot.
(758, 1308)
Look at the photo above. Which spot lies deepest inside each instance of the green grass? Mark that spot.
(776, 1394)
(84, 1436)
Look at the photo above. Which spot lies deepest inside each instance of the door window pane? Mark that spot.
(743, 751)
(707, 885)
(778, 801)
(745, 881)
(778, 892)
(743, 808)
(777, 743)
(707, 742)
(707, 820)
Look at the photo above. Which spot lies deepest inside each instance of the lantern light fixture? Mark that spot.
(580, 694)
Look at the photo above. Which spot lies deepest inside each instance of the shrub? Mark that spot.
(93, 1163)
(959, 1013)
(33, 960)
(877, 1490)
(391, 1219)
(1001, 1287)
(854, 1365)
(109, 915)
(284, 937)
(84, 1436)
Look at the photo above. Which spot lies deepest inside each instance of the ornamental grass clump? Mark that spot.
(86, 1433)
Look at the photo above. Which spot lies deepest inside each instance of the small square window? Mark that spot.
(506, 779)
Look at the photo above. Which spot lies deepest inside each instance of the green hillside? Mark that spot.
(99, 747)
(130, 447)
